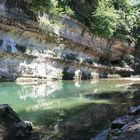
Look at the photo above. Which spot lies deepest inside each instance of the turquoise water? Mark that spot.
(68, 108)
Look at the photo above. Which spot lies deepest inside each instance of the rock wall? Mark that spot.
(46, 49)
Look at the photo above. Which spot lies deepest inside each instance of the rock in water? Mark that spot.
(11, 126)
(134, 110)
(128, 126)
(104, 135)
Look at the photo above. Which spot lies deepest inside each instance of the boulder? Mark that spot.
(128, 126)
(11, 126)
(134, 110)
(120, 122)
(104, 135)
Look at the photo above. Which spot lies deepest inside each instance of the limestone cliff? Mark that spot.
(35, 46)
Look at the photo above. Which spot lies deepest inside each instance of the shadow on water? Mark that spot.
(80, 122)
(71, 110)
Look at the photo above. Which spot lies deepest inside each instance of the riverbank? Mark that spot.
(123, 128)
(126, 127)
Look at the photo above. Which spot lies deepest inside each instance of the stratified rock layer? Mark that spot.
(39, 49)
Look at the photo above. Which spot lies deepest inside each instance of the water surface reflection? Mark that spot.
(68, 109)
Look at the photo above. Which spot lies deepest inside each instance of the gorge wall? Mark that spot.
(35, 46)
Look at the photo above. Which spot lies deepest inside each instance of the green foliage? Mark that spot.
(136, 31)
(113, 18)
(127, 22)
(105, 18)
(53, 7)
(103, 21)
(123, 5)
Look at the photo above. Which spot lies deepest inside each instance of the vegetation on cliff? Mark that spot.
(105, 18)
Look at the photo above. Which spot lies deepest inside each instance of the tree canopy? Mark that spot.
(105, 18)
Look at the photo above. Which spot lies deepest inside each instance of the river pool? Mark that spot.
(71, 110)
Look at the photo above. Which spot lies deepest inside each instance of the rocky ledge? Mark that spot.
(11, 126)
(33, 46)
(128, 126)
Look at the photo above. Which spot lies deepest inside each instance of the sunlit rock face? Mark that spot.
(38, 48)
(77, 32)
(13, 66)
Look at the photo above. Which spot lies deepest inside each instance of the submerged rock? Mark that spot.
(104, 135)
(11, 126)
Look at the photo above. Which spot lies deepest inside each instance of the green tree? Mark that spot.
(104, 20)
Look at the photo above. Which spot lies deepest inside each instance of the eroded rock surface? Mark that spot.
(127, 127)
(36, 49)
